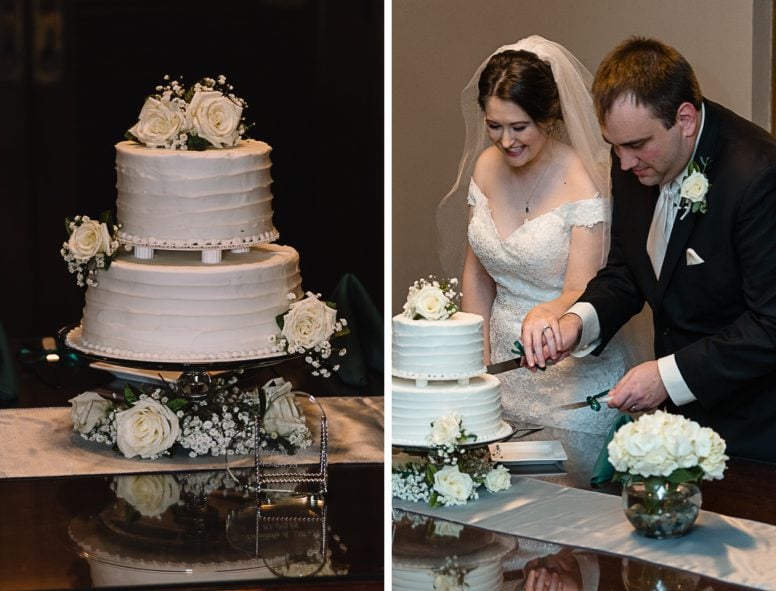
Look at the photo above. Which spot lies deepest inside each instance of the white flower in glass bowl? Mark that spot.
(146, 429)
(668, 446)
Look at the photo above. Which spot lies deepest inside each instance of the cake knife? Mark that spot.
(513, 363)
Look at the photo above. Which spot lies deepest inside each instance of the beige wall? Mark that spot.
(437, 45)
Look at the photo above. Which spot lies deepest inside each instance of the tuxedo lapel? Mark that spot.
(682, 229)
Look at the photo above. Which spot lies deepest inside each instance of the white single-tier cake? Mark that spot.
(176, 308)
(415, 407)
(447, 349)
(189, 199)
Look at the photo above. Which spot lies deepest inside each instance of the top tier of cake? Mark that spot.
(179, 200)
(448, 349)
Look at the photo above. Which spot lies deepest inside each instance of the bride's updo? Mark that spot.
(521, 77)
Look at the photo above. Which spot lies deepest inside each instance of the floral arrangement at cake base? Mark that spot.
(151, 422)
(307, 329)
(448, 474)
(661, 459)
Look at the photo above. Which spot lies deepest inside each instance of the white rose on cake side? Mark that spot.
(150, 495)
(445, 431)
(308, 323)
(160, 121)
(89, 239)
(87, 410)
(146, 429)
(215, 117)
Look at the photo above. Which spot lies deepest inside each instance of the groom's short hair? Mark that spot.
(652, 73)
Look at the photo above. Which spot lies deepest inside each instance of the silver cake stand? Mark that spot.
(195, 376)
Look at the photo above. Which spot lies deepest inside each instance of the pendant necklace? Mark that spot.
(538, 182)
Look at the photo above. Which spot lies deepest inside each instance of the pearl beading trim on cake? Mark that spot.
(238, 242)
(422, 379)
(75, 340)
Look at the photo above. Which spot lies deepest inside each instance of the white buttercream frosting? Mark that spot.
(438, 349)
(183, 199)
(414, 408)
(176, 308)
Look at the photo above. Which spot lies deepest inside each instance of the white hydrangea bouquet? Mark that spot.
(308, 328)
(205, 115)
(432, 299)
(91, 245)
(152, 422)
(666, 448)
(449, 474)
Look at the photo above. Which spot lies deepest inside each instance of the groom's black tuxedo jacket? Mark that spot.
(718, 317)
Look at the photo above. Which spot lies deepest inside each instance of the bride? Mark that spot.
(536, 174)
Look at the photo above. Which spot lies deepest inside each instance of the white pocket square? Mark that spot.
(693, 258)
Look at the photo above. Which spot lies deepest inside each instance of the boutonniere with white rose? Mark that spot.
(694, 187)
(91, 246)
(448, 474)
(307, 329)
(432, 299)
(152, 422)
(205, 115)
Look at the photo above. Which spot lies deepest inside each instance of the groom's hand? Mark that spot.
(640, 389)
(570, 326)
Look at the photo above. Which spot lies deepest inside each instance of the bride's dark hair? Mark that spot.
(521, 77)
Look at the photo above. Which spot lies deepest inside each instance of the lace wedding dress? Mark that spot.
(529, 267)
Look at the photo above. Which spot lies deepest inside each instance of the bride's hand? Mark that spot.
(540, 337)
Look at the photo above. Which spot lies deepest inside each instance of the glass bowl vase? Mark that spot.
(657, 508)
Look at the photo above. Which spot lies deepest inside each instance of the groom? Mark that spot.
(694, 236)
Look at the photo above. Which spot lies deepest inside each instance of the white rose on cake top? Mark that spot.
(205, 115)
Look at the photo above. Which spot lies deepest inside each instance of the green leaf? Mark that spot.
(177, 404)
(131, 394)
(197, 144)
(280, 321)
(131, 137)
(685, 475)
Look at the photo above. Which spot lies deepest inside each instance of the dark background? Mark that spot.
(75, 73)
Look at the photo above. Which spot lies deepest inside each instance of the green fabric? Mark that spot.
(603, 470)
(9, 384)
(364, 342)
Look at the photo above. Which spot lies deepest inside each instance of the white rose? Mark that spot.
(87, 410)
(694, 187)
(454, 485)
(159, 123)
(215, 118)
(498, 479)
(308, 323)
(445, 430)
(146, 429)
(151, 495)
(89, 239)
(431, 302)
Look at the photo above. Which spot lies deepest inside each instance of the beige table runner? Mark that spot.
(730, 549)
(41, 442)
